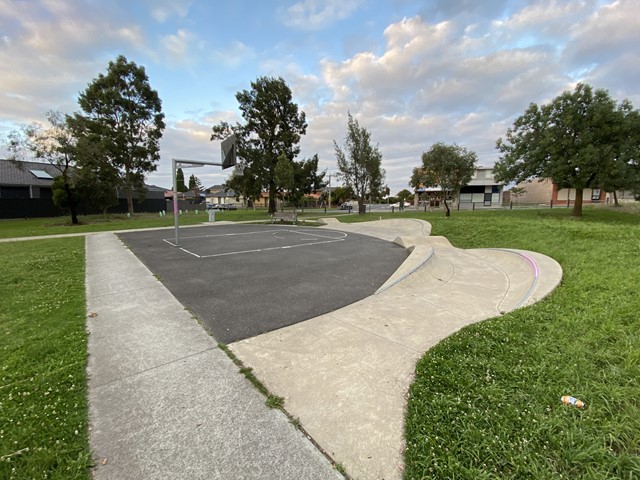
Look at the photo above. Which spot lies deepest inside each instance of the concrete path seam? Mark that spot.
(155, 367)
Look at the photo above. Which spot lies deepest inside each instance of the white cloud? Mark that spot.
(233, 55)
(318, 14)
(610, 30)
(162, 10)
(177, 46)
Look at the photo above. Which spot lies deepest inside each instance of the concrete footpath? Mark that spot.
(166, 403)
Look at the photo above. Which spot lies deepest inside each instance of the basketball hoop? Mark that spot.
(229, 159)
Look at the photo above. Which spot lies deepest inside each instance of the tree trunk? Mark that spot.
(362, 208)
(127, 187)
(615, 199)
(447, 211)
(577, 204)
(129, 199)
(72, 203)
(272, 198)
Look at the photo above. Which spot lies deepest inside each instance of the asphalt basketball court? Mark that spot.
(244, 280)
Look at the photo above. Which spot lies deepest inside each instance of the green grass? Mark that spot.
(43, 350)
(15, 228)
(485, 402)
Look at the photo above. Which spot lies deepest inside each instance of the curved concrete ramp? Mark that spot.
(345, 374)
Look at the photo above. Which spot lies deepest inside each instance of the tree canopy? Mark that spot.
(341, 194)
(306, 179)
(195, 186)
(54, 144)
(360, 163)
(122, 116)
(180, 185)
(272, 127)
(579, 140)
(449, 167)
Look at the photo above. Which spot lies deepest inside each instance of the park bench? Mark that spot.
(282, 217)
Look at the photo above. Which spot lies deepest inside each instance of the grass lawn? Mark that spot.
(485, 402)
(15, 228)
(43, 351)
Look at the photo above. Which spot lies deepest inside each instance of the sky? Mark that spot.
(412, 73)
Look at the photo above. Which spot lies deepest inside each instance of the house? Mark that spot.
(481, 191)
(26, 191)
(544, 192)
(217, 195)
(26, 179)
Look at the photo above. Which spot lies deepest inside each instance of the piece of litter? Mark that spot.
(569, 400)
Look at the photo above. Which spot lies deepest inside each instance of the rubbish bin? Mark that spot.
(212, 215)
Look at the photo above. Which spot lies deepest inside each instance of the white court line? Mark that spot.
(273, 232)
(271, 248)
(190, 253)
(257, 232)
(344, 234)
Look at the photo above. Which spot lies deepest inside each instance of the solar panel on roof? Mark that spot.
(41, 174)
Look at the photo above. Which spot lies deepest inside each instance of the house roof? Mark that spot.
(23, 173)
(20, 173)
(221, 194)
(155, 188)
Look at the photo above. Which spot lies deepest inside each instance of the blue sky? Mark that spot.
(412, 72)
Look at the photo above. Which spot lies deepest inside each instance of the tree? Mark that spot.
(386, 191)
(449, 167)
(403, 195)
(342, 194)
(284, 176)
(195, 186)
(575, 141)
(360, 163)
(247, 186)
(123, 115)
(623, 173)
(56, 145)
(180, 185)
(306, 180)
(97, 178)
(517, 192)
(273, 127)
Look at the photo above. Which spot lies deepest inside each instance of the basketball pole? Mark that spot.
(174, 169)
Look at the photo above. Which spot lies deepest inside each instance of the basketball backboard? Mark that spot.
(228, 147)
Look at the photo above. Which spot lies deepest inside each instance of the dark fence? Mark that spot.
(44, 207)
(28, 208)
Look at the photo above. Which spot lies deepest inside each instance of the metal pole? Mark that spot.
(176, 220)
(329, 192)
(174, 175)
